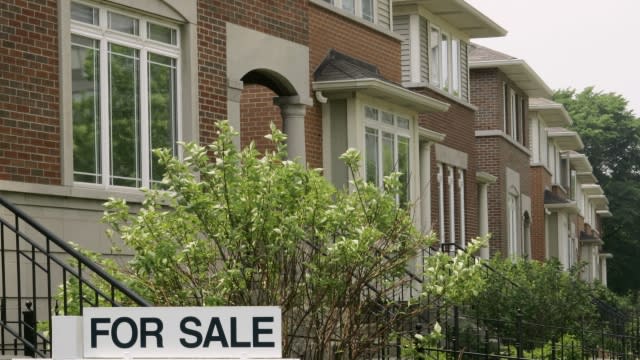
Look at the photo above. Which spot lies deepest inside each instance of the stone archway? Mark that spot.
(268, 97)
(261, 61)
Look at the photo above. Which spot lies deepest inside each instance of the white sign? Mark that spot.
(182, 332)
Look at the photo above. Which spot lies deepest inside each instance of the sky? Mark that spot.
(572, 43)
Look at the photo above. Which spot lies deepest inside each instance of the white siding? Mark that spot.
(464, 71)
(384, 15)
(401, 27)
(424, 51)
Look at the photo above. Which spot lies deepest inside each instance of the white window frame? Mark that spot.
(462, 208)
(445, 72)
(435, 68)
(441, 226)
(397, 132)
(144, 46)
(512, 223)
(513, 114)
(358, 9)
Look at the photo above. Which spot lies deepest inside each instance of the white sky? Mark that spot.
(572, 43)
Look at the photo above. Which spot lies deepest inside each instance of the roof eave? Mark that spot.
(480, 25)
(551, 112)
(383, 90)
(604, 213)
(567, 140)
(570, 207)
(539, 88)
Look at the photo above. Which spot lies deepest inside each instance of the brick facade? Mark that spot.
(496, 153)
(286, 19)
(540, 180)
(29, 92)
(457, 124)
(327, 31)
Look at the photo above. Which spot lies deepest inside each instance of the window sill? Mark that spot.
(426, 85)
(77, 191)
(356, 19)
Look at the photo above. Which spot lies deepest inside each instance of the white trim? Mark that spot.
(441, 201)
(425, 185)
(143, 46)
(462, 208)
(452, 204)
(381, 89)
(527, 80)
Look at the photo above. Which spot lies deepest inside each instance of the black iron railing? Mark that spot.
(41, 276)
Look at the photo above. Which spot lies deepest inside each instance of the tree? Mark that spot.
(241, 228)
(611, 134)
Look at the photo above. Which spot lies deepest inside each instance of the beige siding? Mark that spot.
(424, 51)
(401, 27)
(464, 71)
(384, 16)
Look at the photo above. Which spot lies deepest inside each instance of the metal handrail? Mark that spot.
(69, 250)
(39, 257)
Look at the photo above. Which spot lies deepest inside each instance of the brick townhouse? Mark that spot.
(501, 88)
(435, 62)
(88, 88)
(543, 200)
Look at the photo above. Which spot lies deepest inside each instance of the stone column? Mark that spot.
(484, 217)
(425, 186)
(234, 91)
(293, 126)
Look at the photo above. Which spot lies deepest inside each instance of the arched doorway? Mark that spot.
(261, 104)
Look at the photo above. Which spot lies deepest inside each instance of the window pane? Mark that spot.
(388, 153)
(84, 13)
(162, 108)
(123, 23)
(371, 113)
(444, 51)
(85, 87)
(403, 167)
(367, 10)
(455, 66)
(371, 156)
(387, 118)
(402, 122)
(349, 6)
(434, 56)
(124, 115)
(161, 33)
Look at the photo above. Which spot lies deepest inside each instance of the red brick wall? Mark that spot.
(495, 153)
(257, 112)
(490, 161)
(540, 180)
(287, 19)
(457, 124)
(487, 95)
(29, 92)
(328, 30)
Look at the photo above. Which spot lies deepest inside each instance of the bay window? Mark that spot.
(124, 95)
